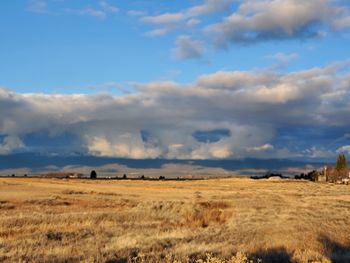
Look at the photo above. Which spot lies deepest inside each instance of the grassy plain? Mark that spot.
(52, 220)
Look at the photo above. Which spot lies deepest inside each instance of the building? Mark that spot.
(62, 175)
(317, 176)
(332, 175)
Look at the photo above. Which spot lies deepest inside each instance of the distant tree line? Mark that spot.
(269, 175)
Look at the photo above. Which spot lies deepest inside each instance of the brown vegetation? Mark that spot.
(234, 220)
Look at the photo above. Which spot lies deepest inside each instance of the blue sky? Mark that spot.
(46, 48)
(189, 60)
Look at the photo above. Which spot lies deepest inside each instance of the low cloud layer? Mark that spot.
(227, 114)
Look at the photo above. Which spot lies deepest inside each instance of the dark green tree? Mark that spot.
(93, 174)
(341, 163)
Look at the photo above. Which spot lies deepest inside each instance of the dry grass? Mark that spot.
(48, 220)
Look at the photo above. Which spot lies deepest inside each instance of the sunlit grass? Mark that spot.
(46, 220)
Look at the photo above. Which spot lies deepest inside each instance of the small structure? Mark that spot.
(317, 176)
(62, 175)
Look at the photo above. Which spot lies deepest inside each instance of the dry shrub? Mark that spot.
(72, 192)
(6, 205)
(209, 258)
(238, 258)
(109, 194)
(51, 235)
(54, 201)
(207, 213)
(214, 204)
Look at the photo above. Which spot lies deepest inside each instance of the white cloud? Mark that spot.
(10, 143)
(255, 21)
(193, 22)
(209, 6)
(124, 145)
(159, 119)
(101, 9)
(284, 58)
(318, 152)
(38, 6)
(158, 32)
(135, 13)
(167, 22)
(89, 11)
(166, 18)
(262, 148)
(108, 8)
(218, 150)
(187, 48)
(344, 149)
(342, 23)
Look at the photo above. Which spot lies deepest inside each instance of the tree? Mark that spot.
(341, 163)
(93, 174)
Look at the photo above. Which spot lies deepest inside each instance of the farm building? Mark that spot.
(317, 176)
(333, 175)
(339, 174)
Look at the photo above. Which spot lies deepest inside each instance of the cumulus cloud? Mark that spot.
(193, 22)
(344, 149)
(38, 6)
(209, 6)
(261, 148)
(256, 21)
(256, 113)
(284, 57)
(108, 7)
(158, 32)
(10, 143)
(252, 21)
(135, 13)
(166, 18)
(167, 22)
(208, 151)
(319, 152)
(89, 11)
(187, 48)
(101, 9)
(343, 22)
(124, 145)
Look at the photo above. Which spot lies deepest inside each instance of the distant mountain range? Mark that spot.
(38, 162)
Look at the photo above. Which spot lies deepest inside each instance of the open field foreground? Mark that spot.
(50, 220)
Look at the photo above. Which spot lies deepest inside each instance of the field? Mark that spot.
(52, 220)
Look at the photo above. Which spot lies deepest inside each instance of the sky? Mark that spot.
(196, 79)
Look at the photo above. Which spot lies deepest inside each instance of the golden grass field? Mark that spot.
(52, 220)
